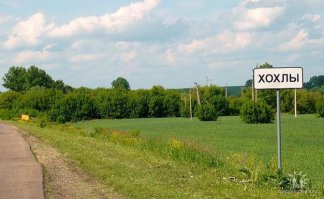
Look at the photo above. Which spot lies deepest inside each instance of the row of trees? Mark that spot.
(38, 95)
(84, 104)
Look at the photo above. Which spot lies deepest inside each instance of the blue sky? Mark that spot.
(161, 42)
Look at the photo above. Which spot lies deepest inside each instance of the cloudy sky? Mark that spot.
(172, 43)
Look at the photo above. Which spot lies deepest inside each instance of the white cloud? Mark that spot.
(295, 43)
(87, 57)
(30, 57)
(312, 17)
(224, 41)
(131, 41)
(81, 24)
(234, 40)
(195, 45)
(171, 57)
(128, 56)
(28, 32)
(31, 31)
(114, 22)
(256, 17)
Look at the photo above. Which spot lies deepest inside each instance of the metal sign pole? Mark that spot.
(278, 78)
(279, 131)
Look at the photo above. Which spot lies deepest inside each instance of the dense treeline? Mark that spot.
(43, 97)
(84, 104)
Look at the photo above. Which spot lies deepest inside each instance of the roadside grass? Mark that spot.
(175, 157)
(302, 138)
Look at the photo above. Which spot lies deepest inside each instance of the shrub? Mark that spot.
(39, 98)
(8, 99)
(171, 104)
(185, 109)
(320, 107)
(207, 112)
(257, 112)
(287, 101)
(75, 106)
(157, 95)
(306, 102)
(6, 114)
(28, 111)
(215, 96)
(138, 103)
(234, 106)
(43, 122)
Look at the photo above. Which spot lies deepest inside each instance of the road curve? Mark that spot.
(21, 176)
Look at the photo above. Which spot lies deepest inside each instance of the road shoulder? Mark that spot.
(62, 179)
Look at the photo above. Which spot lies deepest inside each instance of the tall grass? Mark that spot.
(302, 138)
(192, 152)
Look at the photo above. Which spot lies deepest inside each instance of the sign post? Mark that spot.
(278, 78)
(279, 131)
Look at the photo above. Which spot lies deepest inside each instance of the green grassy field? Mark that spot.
(139, 169)
(302, 137)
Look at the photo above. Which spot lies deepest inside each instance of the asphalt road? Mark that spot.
(21, 176)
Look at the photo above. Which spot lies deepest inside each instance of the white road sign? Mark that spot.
(278, 78)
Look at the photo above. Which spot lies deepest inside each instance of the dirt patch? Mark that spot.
(62, 179)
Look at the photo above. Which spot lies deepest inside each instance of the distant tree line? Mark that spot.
(32, 91)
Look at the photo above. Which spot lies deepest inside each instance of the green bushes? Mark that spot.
(234, 105)
(207, 112)
(112, 103)
(171, 104)
(139, 103)
(39, 99)
(306, 102)
(84, 104)
(257, 112)
(75, 106)
(320, 107)
(8, 99)
(6, 114)
(212, 95)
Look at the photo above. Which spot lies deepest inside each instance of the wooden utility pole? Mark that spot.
(295, 103)
(190, 104)
(226, 91)
(256, 91)
(198, 98)
(252, 88)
